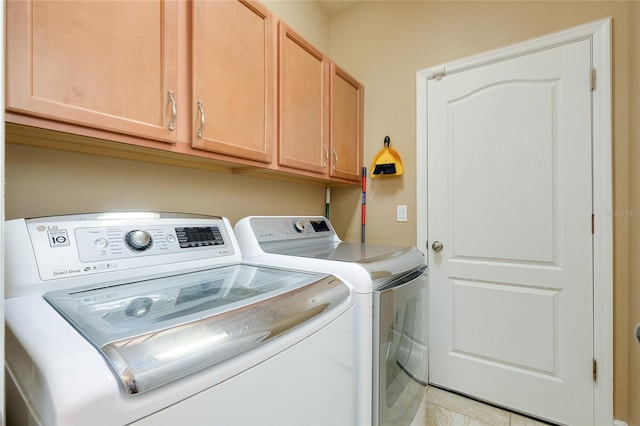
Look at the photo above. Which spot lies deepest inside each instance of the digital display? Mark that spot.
(199, 236)
(320, 226)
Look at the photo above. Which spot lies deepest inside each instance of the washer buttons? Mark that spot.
(102, 243)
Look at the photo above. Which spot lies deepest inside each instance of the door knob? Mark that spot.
(437, 246)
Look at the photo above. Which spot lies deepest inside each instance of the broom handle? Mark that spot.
(364, 202)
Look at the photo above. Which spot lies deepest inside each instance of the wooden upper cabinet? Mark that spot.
(218, 79)
(303, 104)
(234, 79)
(109, 65)
(347, 118)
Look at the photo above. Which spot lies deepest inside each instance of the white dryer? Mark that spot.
(390, 292)
(151, 318)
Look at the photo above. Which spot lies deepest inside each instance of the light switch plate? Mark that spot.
(401, 213)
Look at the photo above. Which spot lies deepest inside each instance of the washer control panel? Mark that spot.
(71, 246)
(102, 243)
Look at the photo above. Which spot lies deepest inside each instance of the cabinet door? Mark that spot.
(346, 139)
(234, 78)
(102, 64)
(303, 108)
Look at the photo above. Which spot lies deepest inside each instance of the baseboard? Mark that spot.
(619, 423)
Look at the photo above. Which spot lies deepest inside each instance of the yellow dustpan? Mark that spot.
(387, 162)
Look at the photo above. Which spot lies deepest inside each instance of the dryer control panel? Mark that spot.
(267, 229)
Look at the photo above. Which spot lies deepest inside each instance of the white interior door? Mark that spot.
(510, 200)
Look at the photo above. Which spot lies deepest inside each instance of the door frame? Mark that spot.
(599, 32)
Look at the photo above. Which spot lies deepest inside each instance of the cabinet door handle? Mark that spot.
(201, 108)
(326, 155)
(335, 155)
(174, 111)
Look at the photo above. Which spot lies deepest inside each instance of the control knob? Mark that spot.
(299, 226)
(138, 240)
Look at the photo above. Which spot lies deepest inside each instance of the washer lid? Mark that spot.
(156, 331)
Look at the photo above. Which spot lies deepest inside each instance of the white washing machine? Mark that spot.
(152, 319)
(389, 285)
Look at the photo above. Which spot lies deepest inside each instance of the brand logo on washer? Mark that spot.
(58, 237)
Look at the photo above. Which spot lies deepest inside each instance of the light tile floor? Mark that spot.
(441, 408)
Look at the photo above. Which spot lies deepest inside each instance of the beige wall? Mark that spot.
(634, 221)
(46, 182)
(384, 43)
(306, 17)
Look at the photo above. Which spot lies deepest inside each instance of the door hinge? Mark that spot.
(438, 72)
(593, 79)
(595, 370)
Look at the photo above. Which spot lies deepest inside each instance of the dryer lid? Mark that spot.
(383, 262)
(339, 251)
(314, 237)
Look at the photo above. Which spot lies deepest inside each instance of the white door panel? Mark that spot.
(526, 317)
(519, 120)
(510, 198)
